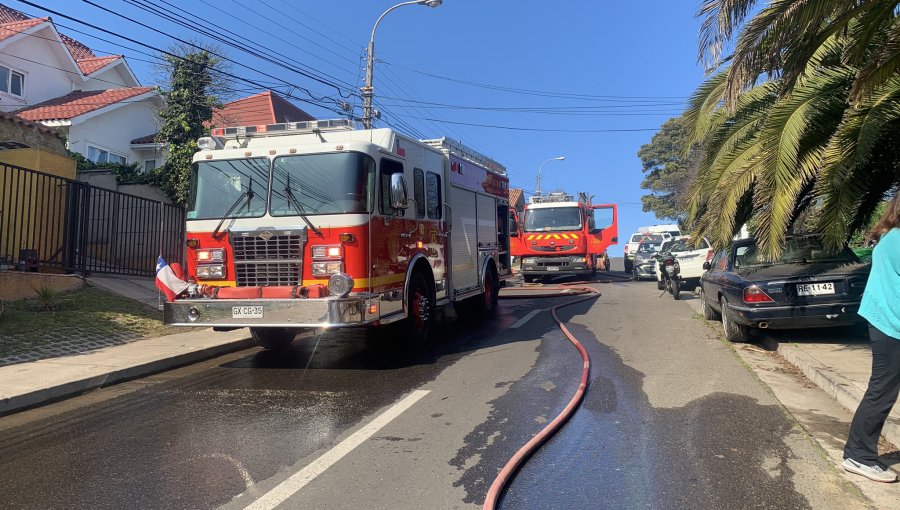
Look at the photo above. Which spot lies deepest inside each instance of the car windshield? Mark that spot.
(217, 186)
(804, 250)
(552, 219)
(322, 184)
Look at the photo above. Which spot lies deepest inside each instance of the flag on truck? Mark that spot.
(167, 282)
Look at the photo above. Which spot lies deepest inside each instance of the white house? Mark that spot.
(97, 102)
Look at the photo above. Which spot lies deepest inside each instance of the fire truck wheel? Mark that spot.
(421, 309)
(273, 338)
(488, 300)
(606, 264)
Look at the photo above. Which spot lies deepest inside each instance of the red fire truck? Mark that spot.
(559, 235)
(312, 225)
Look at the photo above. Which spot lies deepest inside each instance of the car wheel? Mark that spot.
(734, 332)
(628, 266)
(708, 313)
(275, 339)
(528, 278)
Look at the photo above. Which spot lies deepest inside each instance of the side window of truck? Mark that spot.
(433, 189)
(419, 191)
(388, 168)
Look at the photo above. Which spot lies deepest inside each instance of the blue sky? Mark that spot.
(590, 66)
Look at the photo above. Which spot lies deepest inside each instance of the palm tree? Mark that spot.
(817, 132)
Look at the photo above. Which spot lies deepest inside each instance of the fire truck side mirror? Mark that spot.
(399, 196)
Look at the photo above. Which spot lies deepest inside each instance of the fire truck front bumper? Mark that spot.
(300, 313)
(555, 265)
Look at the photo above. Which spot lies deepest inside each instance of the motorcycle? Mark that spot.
(670, 269)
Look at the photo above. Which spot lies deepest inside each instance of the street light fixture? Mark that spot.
(537, 190)
(368, 90)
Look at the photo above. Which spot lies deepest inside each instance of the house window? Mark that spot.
(149, 165)
(12, 82)
(98, 155)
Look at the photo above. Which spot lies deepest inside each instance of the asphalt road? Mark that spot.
(672, 419)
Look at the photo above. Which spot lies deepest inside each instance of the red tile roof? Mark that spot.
(79, 103)
(90, 65)
(11, 117)
(78, 50)
(514, 195)
(264, 108)
(12, 28)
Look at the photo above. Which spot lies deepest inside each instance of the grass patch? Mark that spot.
(86, 314)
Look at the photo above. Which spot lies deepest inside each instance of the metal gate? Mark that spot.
(50, 223)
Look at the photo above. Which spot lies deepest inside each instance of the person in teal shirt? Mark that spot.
(881, 307)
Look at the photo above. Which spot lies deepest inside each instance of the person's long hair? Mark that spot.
(889, 220)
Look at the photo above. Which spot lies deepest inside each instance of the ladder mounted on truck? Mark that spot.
(466, 153)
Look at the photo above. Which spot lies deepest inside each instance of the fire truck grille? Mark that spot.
(267, 261)
(565, 247)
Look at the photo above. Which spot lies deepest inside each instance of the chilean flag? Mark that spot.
(167, 282)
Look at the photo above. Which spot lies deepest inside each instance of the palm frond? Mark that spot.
(701, 111)
(881, 66)
(721, 19)
(793, 137)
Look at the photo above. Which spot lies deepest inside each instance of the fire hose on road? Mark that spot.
(505, 476)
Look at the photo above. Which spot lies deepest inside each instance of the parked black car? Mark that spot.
(807, 287)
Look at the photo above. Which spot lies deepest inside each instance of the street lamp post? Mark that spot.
(368, 90)
(537, 190)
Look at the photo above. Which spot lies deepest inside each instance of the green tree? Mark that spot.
(815, 143)
(668, 171)
(190, 102)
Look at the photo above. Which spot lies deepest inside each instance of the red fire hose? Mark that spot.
(515, 462)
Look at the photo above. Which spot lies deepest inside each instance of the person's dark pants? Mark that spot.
(884, 385)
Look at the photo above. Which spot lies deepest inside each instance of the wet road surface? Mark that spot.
(671, 420)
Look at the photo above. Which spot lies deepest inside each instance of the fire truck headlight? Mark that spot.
(326, 252)
(320, 269)
(211, 255)
(211, 271)
(340, 284)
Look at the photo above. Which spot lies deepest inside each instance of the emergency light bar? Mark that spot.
(284, 128)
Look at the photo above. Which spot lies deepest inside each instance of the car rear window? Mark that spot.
(796, 251)
(653, 238)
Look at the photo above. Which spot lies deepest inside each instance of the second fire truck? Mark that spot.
(317, 225)
(559, 235)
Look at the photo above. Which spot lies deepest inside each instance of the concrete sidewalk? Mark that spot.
(840, 368)
(33, 383)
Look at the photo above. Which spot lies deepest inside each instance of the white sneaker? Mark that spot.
(871, 472)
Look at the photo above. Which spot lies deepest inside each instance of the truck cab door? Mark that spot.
(603, 227)
(516, 244)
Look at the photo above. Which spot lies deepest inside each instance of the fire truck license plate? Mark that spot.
(815, 289)
(246, 312)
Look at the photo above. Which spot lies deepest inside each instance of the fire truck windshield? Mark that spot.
(217, 185)
(552, 219)
(322, 184)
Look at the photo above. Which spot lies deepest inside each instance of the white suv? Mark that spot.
(690, 260)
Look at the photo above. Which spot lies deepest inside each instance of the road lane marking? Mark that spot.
(301, 478)
(530, 315)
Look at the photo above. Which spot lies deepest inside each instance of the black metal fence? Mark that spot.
(57, 224)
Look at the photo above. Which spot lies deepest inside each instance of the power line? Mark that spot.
(172, 55)
(590, 97)
(547, 130)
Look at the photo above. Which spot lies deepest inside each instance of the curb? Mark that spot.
(86, 383)
(836, 386)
